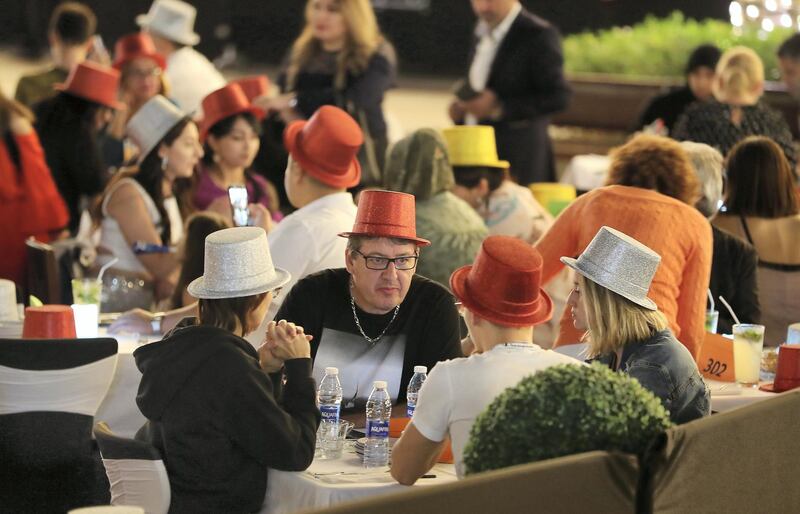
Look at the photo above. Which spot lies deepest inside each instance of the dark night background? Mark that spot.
(429, 42)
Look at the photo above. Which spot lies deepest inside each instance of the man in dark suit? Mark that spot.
(515, 82)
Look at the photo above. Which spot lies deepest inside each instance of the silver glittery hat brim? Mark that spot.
(198, 290)
(645, 302)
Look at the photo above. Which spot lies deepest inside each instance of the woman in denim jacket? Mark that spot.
(626, 329)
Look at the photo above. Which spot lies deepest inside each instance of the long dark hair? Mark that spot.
(221, 129)
(760, 180)
(8, 106)
(198, 226)
(68, 114)
(149, 175)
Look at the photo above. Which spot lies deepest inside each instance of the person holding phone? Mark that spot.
(230, 132)
(139, 208)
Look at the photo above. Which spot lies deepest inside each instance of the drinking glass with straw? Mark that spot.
(748, 342)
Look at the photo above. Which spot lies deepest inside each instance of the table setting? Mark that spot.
(329, 481)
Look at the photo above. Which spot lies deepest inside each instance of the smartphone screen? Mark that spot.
(238, 198)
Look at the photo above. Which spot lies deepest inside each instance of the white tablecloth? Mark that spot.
(119, 408)
(337, 481)
(727, 396)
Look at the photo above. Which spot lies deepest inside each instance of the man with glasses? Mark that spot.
(375, 319)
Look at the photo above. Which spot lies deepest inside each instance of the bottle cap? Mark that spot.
(381, 384)
(331, 371)
(420, 369)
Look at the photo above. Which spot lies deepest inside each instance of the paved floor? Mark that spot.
(416, 103)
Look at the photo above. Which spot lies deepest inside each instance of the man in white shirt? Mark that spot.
(190, 75)
(322, 165)
(514, 83)
(501, 301)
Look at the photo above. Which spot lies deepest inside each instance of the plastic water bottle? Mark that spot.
(379, 410)
(412, 393)
(329, 398)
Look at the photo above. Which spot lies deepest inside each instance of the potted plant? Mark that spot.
(564, 410)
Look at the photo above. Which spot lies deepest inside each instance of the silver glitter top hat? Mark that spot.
(620, 263)
(171, 19)
(237, 263)
(151, 123)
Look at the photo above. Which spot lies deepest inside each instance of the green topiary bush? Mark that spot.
(564, 410)
(660, 47)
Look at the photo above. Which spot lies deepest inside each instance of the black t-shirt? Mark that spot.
(425, 331)
(668, 107)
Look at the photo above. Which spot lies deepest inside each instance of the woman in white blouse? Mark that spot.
(140, 217)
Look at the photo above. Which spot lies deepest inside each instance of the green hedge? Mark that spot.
(660, 47)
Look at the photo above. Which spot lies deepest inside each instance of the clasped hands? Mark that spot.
(284, 341)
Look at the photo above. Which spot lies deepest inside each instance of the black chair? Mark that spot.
(49, 393)
(43, 276)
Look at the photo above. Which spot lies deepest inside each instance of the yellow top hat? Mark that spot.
(473, 145)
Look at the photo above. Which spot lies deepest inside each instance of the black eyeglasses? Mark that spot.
(405, 262)
(276, 292)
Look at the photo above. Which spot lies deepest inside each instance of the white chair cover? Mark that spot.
(139, 482)
(78, 390)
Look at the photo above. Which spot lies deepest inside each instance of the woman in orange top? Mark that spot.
(30, 204)
(651, 192)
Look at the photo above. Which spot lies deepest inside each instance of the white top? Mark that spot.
(306, 241)
(486, 50)
(112, 238)
(191, 77)
(458, 390)
(513, 211)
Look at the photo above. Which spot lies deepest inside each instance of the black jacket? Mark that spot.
(733, 275)
(212, 414)
(527, 76)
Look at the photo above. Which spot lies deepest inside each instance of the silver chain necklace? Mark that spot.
(371, 340)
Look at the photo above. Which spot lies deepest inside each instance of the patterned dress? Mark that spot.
(710, 123)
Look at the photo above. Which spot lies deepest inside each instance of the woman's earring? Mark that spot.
(164, 163)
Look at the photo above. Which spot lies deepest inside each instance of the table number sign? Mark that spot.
(716, 358)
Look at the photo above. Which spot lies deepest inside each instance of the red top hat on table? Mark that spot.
(93, 82)
(253, 87)
(225, 102)
(787, 374)
(134, 46)
(49, 322)
(326, 146)
(386, 214)
(504, 284)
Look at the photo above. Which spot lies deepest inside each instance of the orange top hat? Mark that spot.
(386, 214)
(787, 374)
(49, 322)
(225, 102)
(134, 46)
(253, 87)
(326, 146)
(504, 284)
(93, 82)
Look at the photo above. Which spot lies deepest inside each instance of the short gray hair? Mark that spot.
(707, 162)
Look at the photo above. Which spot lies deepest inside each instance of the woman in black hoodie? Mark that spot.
(209, 396)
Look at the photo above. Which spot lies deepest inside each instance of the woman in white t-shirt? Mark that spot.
(501, 301)
(140, 217)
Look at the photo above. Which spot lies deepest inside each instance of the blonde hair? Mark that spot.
(615, 321)
(739, 72)
(362, 41)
